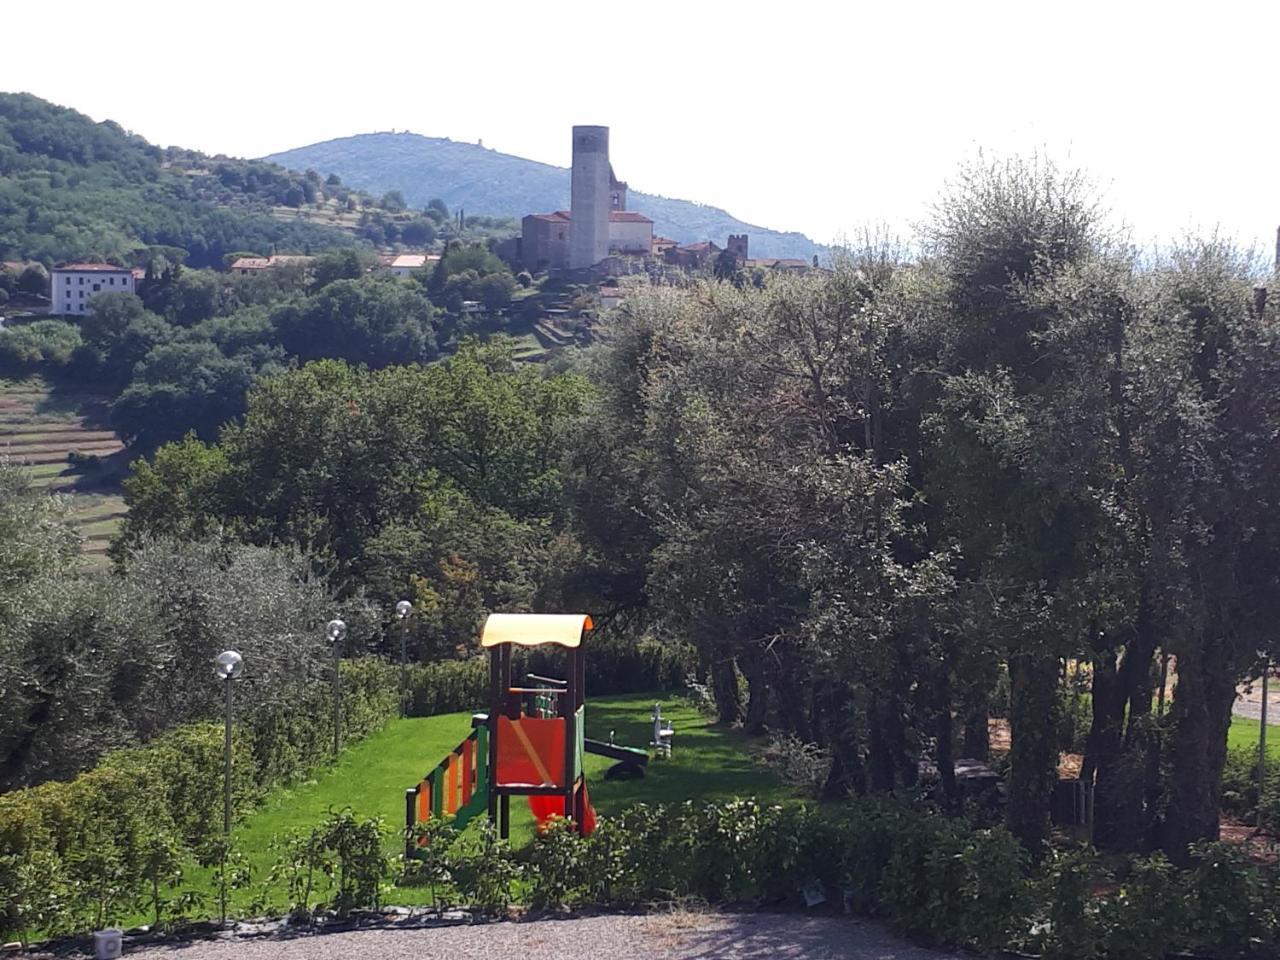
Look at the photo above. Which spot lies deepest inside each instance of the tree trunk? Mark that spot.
(848, 772)
(1200, 716)
(879, 753)
(724, 686)
(792, 706)
(977, 733)
(1102, 758)
(943, 735)
(848, 775)
(751, 660)
(1033, 755)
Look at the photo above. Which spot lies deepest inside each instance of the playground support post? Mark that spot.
(1262, 739)
(410, 818)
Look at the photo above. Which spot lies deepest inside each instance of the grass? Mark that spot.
(101, 531)
(708, 762)
(1243, 734)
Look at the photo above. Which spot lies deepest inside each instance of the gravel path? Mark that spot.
(1252, 710)
(1249, 702)
(662, 936)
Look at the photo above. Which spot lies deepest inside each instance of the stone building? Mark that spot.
(694, 256)
(247, 265)
(544, 241)
(597, 225)
(545, 238)
(590, 197)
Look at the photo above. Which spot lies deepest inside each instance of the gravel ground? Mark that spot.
(662, 936)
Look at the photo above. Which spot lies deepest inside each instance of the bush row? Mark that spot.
(75, 853)
(1240, 788)
(934, 878)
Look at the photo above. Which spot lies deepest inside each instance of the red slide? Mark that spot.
(545, 807)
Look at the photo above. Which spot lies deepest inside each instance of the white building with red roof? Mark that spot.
(404, 264)
(74, 285)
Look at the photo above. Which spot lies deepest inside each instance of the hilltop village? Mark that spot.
(567, 265)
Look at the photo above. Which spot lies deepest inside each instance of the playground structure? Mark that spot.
(530, 743)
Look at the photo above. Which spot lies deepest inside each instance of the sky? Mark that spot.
(827, 118)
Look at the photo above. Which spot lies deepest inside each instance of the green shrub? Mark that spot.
(26, 348)
(183, 772)
(1240, 788)
(448, 686)
(869, 832)
(1144, 919)
(1067, 923)
(361, 867)
(81, 853)
(432, 864)
(485, 870)
(556, 861)
(1232, 910)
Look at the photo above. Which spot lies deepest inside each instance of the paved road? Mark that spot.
(1249, 702)
(662, 936)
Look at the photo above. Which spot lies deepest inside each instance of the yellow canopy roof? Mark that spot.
(534, 629)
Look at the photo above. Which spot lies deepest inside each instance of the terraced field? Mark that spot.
(62, 439)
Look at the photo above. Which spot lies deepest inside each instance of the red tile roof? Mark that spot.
(617, 216)
(560, 216)
(90, 268)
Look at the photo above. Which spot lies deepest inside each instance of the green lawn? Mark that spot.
(371, 777)
(1243, 734)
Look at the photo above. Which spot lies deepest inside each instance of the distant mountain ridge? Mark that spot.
(484, 181)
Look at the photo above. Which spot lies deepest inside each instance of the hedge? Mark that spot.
(936, 879)
(613, 667)
(72, 852)
(1240, 787)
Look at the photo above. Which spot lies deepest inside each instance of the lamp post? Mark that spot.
(403, 609)
(336, 630)
(1262, 739)
(228, 666)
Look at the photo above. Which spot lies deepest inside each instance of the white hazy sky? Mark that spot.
(820, 117)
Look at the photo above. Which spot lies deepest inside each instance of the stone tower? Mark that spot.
(589, 197)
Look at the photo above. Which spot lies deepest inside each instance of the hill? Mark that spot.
(498, 184)
(75, 189)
